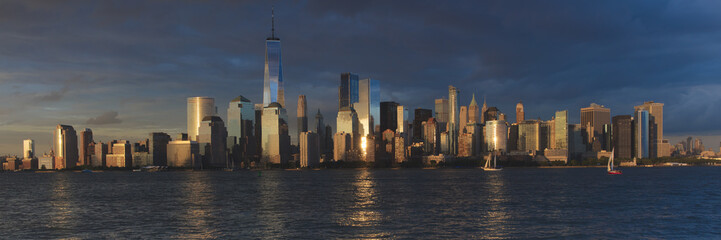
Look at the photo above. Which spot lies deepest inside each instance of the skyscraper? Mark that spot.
(655, 114)
(528, 135)
(389, 116)
(641, 134)
(319, 128)
(622, 136)
(473, 111)
(66, 147)
(431, 137)
(28, 148)
(241, 115)
(453, 120)
(158, 148)
(368, 105)
(561, 129)
(309, 149)
(593, 118)
(273, 78)
(483, 111)
(496, 134)
(402, 117)
(441, 111)
(420, 115)
(275, 141)
(199, 108)
(347, 122)
(212, 137)
(302, 117)
(348, 90)
(463, 118)
(520, 114)
(86, 137)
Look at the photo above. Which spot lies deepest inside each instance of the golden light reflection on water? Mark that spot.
(197, 201)
(63, 214)
(363, 214)
(496, 219)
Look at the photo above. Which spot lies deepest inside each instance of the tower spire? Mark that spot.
(272, 22)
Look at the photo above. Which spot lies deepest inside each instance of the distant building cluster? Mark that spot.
(367, 130)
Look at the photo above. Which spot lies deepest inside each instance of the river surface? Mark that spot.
(520, 203)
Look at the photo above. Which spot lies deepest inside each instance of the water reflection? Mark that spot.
(63, 215)
(197, 201)
(497, 215)
(270, 205)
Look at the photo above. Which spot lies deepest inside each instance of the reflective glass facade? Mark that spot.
(368, 106)
(273, 79)
(641, 137)
(561, 129)
(198, 108)
(496, 134)
(241, 114)
(348, 90)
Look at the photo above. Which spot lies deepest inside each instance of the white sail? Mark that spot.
(610, 161)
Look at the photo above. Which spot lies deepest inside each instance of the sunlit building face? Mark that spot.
(273, 79)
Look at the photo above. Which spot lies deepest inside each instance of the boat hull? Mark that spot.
(614, 172)
(492, 169)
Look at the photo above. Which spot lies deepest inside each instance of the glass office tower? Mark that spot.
(561, 129)
(368, 106)
(273, 79)
(641, 134)
(348, 90)
(241, 115)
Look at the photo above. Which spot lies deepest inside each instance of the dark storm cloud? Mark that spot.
(105, 118)
(145, 57)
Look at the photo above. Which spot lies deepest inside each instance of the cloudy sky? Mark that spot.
(125, 68)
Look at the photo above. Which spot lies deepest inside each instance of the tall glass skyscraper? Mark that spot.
(641, 134)
(199, 108)
(453, 119)
(368, 106)
(561, 129)
(348, 90)
(241, 115)
(273, 79)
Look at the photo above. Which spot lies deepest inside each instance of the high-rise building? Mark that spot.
(275, 141)
(241, 114)
(441, 111)
(342, 144)
(493, 114)
(520, 114)
(347, 122)
(389, 116)
(402, 117)
(473, 111)
(641, 134)
(184, 154)
(431, 137)
(86, 137)
(319, 128)
(199, 108)
(121, 155)
(560, 135)
(483, 111)
(158, 148)
(546, 134)
(462, 118)
(420, 115)
(98, 159)
(302, 117)
(576, 146)
(655, 117)
(28, 148)
(212, 137)
(496, 134)
(273, 78)
(593, 118)
(348, 90)
(453, 120)
(622, 136)
(528, 136)
(309, 149)
(66, 147)
(368, 106)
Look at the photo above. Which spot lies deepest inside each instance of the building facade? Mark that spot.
(199, 108)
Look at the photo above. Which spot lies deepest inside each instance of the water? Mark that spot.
(667, 203)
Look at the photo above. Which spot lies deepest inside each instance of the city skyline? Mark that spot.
(129, 101)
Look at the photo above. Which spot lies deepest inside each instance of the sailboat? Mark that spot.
(488, 166)
(610, 165)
